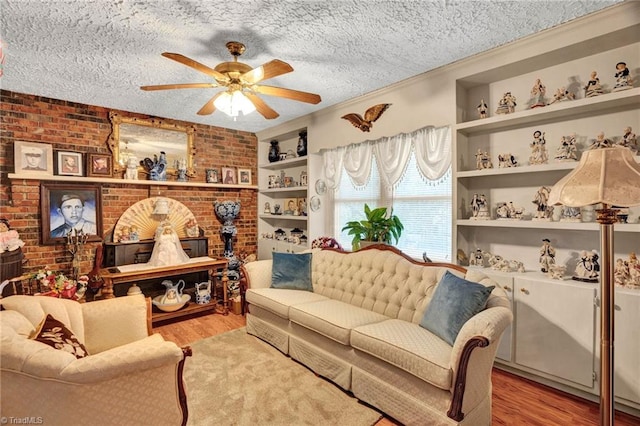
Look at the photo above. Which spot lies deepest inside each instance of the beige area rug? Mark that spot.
(237, 379)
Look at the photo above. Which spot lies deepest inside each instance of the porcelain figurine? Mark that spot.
(479, 208)
(557, 272)
(593, 87)
(267, 208)
(570, 214)
(157, 168)
(562, 94)
(274, 151)
(482, 108)
(476, 258)
(543, 210)
(509, 211)
(629, 139)
(507, 160)
(131, 173)
(182, 170)
(538, 92)
(506, 104)
(547, 255)
(588, 268)
(538, 147)
(623, 78)
(600, 142)
(173, 293)
(483, 160)
(191, 228)
(567, 151)
(203, 293)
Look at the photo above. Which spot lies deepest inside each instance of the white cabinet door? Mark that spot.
(555, 328)
(627, 345)
(505, 349)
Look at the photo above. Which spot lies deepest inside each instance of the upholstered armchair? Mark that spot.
(69, 363)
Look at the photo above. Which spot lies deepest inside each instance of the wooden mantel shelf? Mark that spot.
(17, 176)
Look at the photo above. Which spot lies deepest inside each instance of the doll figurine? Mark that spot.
(600, 142)
(629, 140)
(543, 210)
(593, 87)
(567, 150)
(538, 92)
(538, 149)
(588, 268)
(547, 255)
(507, 104)
(623, 79)
(479, 208)
(562, 94)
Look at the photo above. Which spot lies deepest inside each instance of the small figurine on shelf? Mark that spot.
(479, 208)
(562, 94)
(556, 272)
(567, 151)
(482, 109)
(543, 210)
(182, 170)
(483, 160)
(588, 268)
(509, 211)
(157, 168)
(507, 160)
(131, 173)
(629, 140)
(593, 87)
(191, 228)
(600, 142)
(570, 214)
(267, 208)
(538, 149)
(547, 255)
(623, 79)
(538, 92)
(477, 258)
(134, 235)
(507, 104)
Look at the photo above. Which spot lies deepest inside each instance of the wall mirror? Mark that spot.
(139, 138)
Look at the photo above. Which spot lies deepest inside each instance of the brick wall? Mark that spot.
(86, 128)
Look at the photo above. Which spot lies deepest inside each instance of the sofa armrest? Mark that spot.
(258, 273)
(133, 358)
(114, 322)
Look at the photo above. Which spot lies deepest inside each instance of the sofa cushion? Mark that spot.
(53, 333)
(279, 300)
(332, 318)
(409, 347)
(291, 271)
(454, 302)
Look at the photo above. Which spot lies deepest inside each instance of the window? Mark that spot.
(423, 207)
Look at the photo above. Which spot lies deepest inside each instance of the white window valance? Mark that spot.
(432, 147)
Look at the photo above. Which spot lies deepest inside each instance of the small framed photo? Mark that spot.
(302, 206)
(33, 158)
(69, 208)
(291, 206)
(212, 176)
(99, 165)
(69, 163)
(229, 175)
(244, 176)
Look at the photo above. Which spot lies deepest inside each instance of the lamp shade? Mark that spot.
(232, 103)
(161, 207)
(605, 175)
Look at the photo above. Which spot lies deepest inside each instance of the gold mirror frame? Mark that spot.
(173, 132)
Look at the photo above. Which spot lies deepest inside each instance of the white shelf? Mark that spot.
(283, 217)
(77, 179)
(543, 168)
(609, 102)
(284, 190)
(541, 224)
(291, 162)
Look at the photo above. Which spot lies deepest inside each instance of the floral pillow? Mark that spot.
(54, 333)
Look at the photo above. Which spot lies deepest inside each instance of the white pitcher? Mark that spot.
(203, 293)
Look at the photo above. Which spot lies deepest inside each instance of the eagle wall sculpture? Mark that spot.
(370, 115)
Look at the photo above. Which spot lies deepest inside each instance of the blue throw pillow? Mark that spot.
(454, 302)
(291, 271)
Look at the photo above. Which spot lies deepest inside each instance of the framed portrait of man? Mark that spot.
(33, 158)
(67, 208)
(69, 163)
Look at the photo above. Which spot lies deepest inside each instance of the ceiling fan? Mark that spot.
(241, 82)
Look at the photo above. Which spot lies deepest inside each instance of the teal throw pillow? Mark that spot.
(454, 302)
(291, 271)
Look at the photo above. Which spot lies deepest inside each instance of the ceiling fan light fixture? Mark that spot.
(234, 103)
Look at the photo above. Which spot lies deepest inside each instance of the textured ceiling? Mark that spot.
(100, 52)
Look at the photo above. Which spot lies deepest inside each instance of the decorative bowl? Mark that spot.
(170, 307)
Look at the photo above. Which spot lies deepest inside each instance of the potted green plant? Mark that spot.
(378, 227)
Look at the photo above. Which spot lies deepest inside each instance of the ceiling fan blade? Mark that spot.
(209, 107)
(179, 86)
(296, 95)
(266, 71)
(196, 66)
(264, 109)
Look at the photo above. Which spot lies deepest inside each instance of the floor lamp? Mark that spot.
(609, 176)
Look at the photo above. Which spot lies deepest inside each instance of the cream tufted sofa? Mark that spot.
(359, 328)
(128, 378)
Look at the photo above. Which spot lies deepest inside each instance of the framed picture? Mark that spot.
(302, 206)
(212, 176)
(99, 165)
(290, 206)
(68, 208)
(33, 158)
(229, 175)
(69, 163)
(244, 176)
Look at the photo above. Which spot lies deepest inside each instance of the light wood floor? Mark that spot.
(516, 401)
